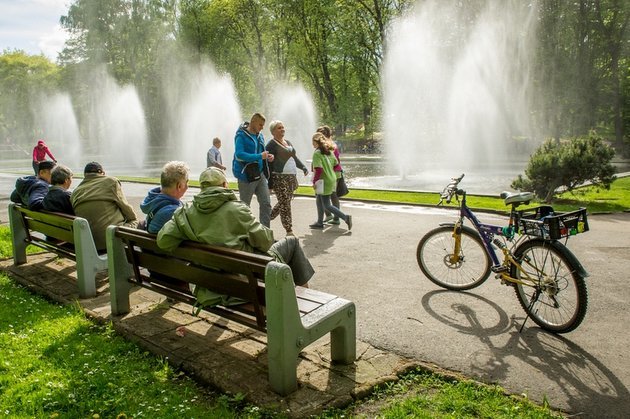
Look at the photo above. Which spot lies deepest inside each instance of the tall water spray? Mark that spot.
(204, 106)
(117, 131)
(294, 106)
(456, 82)
(57, 121)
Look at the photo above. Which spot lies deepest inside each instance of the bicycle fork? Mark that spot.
(457, 235)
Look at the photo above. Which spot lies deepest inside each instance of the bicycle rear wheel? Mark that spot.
(434, 255)
(557, 298)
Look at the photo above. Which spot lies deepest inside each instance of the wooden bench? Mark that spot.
(292, 317)
(63, 234)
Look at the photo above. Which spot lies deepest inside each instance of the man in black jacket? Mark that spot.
(31, 190)
(58, 197)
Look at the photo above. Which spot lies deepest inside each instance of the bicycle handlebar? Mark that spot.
(450, 190)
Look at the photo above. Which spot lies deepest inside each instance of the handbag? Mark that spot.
(342, 188)
(251, 171)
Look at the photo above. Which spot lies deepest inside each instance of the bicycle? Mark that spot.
(548, 279)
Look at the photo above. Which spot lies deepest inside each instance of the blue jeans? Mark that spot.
(324, 204)
(259, 187)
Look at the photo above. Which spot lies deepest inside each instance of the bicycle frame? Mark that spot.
(487, 232)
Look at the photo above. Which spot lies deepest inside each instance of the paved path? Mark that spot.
(586, 372)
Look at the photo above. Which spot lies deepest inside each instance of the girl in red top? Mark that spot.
(39, 155)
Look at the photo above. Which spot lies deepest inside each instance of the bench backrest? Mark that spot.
(225, 271)
(54, 225)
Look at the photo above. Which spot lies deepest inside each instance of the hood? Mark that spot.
(23, 184)
(156, 199)
(212, 198)
(41, 143)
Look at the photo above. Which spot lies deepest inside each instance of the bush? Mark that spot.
(567, 164)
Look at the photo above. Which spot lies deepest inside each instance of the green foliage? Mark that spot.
(567, 164)
(23, 79)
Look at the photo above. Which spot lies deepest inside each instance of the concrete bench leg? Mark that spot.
(288, 333)
(343, 339)
(18, 235)
(89, 262)
(119, 272)
(283, 328)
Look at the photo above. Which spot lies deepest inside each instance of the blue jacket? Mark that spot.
(247, 148)
(30, 191)
(159, 209)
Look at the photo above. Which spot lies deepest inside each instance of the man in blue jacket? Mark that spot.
(162, 201)
(250, 153)
(31, 190)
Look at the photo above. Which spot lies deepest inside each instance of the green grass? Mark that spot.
(595, 200)
(423, 394)
(55, 362)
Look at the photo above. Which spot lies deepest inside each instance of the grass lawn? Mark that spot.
(616, 199)
(56, 363)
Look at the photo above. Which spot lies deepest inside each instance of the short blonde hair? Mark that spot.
(257, 117)
(274, 124)
(216, 140)
(173, 172)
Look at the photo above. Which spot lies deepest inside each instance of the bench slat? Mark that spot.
(49, 230)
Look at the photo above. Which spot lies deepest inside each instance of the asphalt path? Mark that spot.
(585, 372)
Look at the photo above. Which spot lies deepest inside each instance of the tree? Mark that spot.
(567, 164)
(22, 79)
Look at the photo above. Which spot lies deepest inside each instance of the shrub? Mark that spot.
(567, 164)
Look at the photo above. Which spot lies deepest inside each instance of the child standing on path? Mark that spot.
(324, 181)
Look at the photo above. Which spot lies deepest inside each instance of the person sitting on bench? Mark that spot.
(217, 217)
(31, 190)
(162, 201)
(100, 200)
(58, 197)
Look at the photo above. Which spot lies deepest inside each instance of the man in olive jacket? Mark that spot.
(101, 201)
(216, 216)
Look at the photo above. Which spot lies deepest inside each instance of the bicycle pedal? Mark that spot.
(499, 269)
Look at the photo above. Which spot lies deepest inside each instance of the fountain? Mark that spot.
(204, 106)
(294, 106)
(116, 126)
(456, 83)
(56, 119)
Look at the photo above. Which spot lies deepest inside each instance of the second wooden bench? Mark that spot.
(292, 317)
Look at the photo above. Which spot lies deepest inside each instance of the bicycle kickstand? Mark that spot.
(529, 309)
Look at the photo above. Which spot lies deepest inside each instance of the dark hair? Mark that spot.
(325, 129)
(46, 165)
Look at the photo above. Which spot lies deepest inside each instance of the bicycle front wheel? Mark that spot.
(555, 297)
(436, 259)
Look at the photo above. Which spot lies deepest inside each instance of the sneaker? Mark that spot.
(334, 221)
(317, 226)
(329, 219)
(349, 221)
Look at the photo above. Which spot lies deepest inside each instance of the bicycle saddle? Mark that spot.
(517, 197)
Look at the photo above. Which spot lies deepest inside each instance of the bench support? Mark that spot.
(19, 234)
(288, 334)
(89, 262)
(119, 272)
